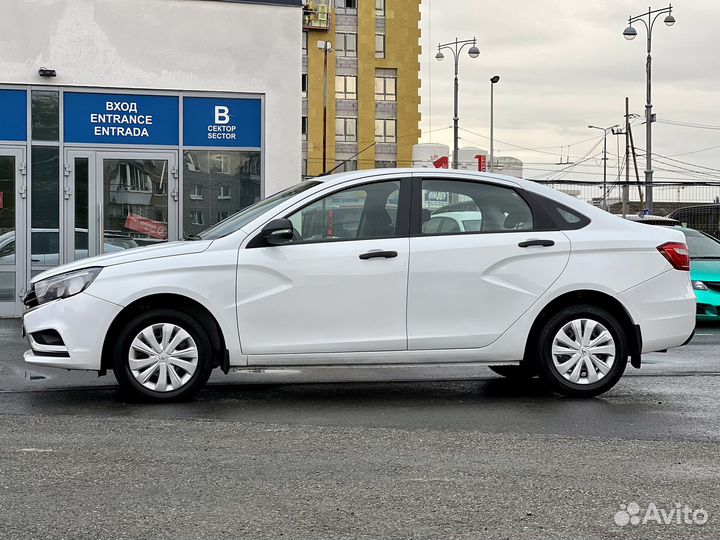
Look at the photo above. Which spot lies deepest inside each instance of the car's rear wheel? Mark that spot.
(519, 372)
(582, 351)
(162, 355)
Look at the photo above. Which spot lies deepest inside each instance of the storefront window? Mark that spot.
(217, 185)
(45, 115)
(135, 199)
(45, 204)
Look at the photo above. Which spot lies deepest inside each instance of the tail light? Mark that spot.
(677, 255)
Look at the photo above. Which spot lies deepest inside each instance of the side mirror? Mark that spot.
(278, 232)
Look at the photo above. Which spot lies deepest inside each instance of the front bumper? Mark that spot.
(77, 327)
(708, 305)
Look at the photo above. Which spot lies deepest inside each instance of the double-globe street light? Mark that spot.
(456, 48)
(630, 33)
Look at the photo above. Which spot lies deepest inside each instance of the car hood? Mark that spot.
(170, 249)
(705, 270)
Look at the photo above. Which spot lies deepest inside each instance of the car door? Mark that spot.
(466, 288)
(340, 286)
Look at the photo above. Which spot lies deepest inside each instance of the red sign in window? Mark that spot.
(147, 226)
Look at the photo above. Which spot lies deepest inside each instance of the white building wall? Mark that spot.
(196, 45)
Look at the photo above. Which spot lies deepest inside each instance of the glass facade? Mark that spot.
(115, 169)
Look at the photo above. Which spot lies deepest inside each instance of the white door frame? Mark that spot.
(14, 309)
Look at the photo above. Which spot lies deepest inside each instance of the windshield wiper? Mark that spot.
(716, 258)
(192, 237)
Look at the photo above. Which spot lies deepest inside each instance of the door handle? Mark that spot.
(378, 255)
(536, 242)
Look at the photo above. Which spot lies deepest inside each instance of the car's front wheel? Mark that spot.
(162, 355)
(582, 351)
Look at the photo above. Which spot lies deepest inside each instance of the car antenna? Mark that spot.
(324, 173)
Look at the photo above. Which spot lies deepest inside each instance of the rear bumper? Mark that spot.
(664, 307)
(81, 323)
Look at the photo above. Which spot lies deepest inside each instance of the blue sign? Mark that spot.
(222, 122)
(13, 115)
(121, 119)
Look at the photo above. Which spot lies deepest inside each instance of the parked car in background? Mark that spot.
(704, 272)
(701, 217)
(549, 285)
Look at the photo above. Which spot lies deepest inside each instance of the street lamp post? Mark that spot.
(605, 132)
(630, 33)
(493, 81)
(326, 47)
(456, 48)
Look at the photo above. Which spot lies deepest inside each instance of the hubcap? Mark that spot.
(583, 351)
(163, 357)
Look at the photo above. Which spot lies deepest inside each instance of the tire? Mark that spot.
(517, 373)
(143, 359)
(587, 369)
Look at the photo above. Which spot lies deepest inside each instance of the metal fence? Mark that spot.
(694, 204)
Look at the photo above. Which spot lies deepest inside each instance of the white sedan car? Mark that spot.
(340, 271)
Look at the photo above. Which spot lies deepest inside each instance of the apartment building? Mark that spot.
(367, 53)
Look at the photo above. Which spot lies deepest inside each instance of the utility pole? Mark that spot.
(626, 187)
(326, 47)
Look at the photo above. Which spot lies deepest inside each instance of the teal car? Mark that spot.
(704, 273)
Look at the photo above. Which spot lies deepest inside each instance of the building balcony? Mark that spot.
(316, 16)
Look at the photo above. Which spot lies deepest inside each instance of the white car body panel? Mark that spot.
(321, 298)
(318, 304)
(457, 282)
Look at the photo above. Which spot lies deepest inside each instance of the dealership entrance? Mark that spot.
(116, 200)
(85, 172)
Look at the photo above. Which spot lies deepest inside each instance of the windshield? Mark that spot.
(238, 220)
(702, 246)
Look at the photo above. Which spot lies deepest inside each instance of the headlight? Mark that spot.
(699, 286)
(65, 285)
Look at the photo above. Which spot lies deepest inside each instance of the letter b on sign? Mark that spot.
(222, 115)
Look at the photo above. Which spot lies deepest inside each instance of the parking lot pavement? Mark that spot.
(300, 457)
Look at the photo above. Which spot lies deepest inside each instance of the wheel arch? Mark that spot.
(168, 301)
(596, 298)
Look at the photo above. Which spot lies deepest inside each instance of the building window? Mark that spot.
(346, 44)
(224, 192)
(346, 129)
(379, 45)
(304, 84)
(379, 8)
(304, 128)
(222, 215)
(345, 87)
(196, 192)
(385, 88)
(385, 164)
(219, 163)
(348, 7)
(385, 131)
(196, 217)
(345, 166)
(304, 42)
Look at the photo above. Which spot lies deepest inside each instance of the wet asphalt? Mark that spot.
(392, 455)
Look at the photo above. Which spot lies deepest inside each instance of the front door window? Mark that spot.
(359, 213)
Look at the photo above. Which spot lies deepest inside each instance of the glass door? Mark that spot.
(13, 231)
(80, 212)
(137, 199)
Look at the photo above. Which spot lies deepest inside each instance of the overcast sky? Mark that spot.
(564, 64)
